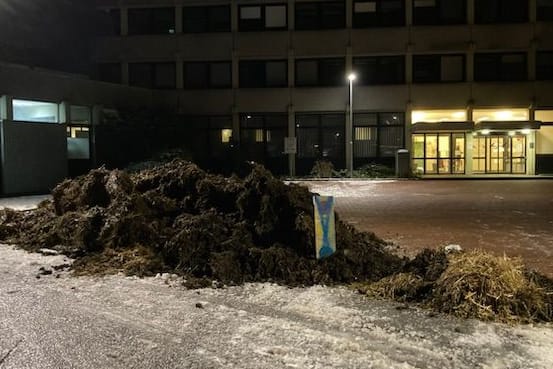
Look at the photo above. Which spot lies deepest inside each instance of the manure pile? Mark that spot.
(177, 218)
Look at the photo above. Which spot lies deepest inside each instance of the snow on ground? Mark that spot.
(124, 322)
(344, 188)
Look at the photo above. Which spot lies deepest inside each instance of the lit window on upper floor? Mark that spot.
(500, 67)
(437, 12)
(438, 68)
(501, 11)
(151, 21)
(379, 70)
(545, 10)
(152, 75)
(320, 15)
(320, 72)
(198, 75)
(109, 72)
(263, 73)
(262, 17)
(109, 22)
(198, 19)
(544, 65)
(378, 13)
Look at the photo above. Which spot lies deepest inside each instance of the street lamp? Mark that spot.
(349, 148)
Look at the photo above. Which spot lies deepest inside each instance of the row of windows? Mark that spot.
(373, 70)
(323, 15)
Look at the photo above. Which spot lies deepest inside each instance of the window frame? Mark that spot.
(340, 81)
(501, 75)
(379, 126)
(434, 16)
(262, 80)
(496, 10)
(208, 27)
(380, 72)
(544, 72)
(152, 83)
(244, 27)
(320, 23)
(438, 77)
(208, 80)
(380, 18)
(151, 27)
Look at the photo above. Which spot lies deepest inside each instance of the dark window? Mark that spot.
(109, 22)
(262, 139)
(264, 73)
(500, 67)
(545, 10)
(438, 68)
(146, 21)
(207, 75)
(378, 13)
(380, 70)
(320, 15)
(321, 136)
(501, 11)
(377, 135)
(109, 72)
(544, 65)
(320, 72)
(197, 19)
(262, 17)
(152, 75)
(431, 12)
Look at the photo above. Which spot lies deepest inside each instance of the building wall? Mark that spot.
(34, 157)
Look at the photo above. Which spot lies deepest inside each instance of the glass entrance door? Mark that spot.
(499, 154)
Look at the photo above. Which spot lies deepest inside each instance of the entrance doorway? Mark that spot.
(499, 154)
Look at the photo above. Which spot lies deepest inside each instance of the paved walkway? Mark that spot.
(514, 217)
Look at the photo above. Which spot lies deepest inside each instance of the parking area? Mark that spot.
(514, 217)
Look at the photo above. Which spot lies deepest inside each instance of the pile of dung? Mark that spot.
(177, 218)
(474, 284)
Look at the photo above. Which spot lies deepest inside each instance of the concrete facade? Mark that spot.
(348, 43)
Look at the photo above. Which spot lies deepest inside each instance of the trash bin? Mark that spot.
(403, 164)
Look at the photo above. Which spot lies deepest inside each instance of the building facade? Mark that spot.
(465, 85)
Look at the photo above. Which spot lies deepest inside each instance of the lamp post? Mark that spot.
(349, 134)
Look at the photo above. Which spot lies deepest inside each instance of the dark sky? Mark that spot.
(53, 34)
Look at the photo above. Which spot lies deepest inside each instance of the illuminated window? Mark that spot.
(35, 111)
(263, 17)
(545, 116)
(362, 133)
(226, 135)
(258, 135)
(500, 115)
(434, 116)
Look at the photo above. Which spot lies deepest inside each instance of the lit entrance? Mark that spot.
(500, 153)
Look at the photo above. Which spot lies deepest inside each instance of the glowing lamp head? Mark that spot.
(352, 77)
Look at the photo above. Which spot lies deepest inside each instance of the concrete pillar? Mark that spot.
(532, 10)
(531, 61)
(179, 75)
(96, 120)
(470, 62)
(234, 16)
(469, 141)
(291, 69)
(349, 14)
(124, 21)
(291, 133)
(291, 15)
(64, 112)
(408, 12)
(349, 140)
(178, 19)
(408, 122)
(531, 153)
(470, 12)
(125, 73)
(235, 70)
(6, 107)
(349, 62)
(409, 66)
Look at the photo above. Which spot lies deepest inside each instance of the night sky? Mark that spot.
(53, 34)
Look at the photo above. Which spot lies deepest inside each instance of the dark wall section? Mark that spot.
(34, 157)
(544, 164)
